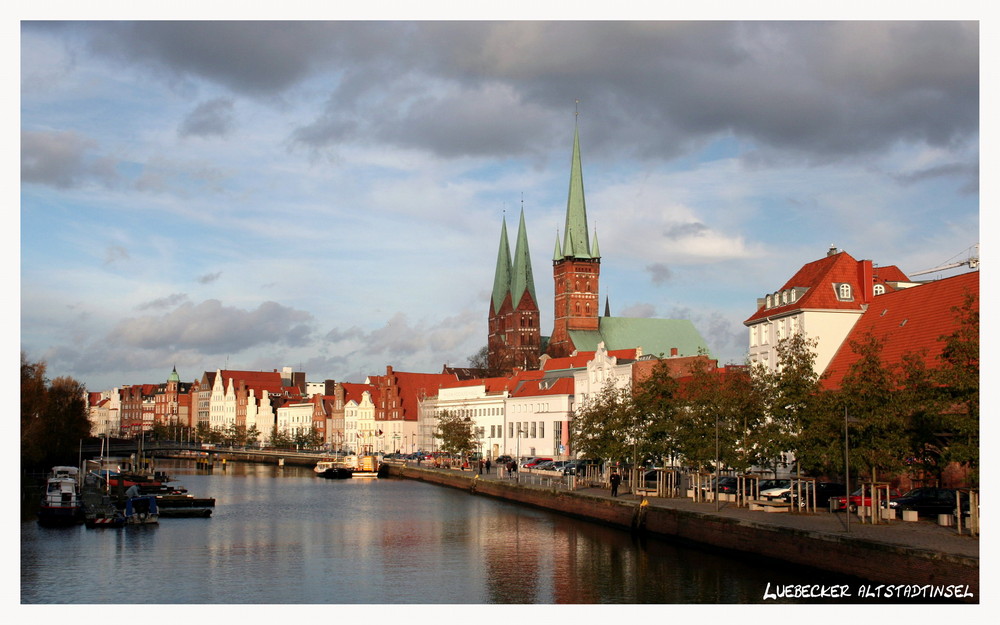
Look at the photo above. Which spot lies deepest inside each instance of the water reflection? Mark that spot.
(285, 536)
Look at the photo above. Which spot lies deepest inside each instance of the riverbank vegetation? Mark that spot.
(909, 416)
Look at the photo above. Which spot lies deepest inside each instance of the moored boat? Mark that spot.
(181, 505)
(61, 503)
(141, 510)
(336, 473)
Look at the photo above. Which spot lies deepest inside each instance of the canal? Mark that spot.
(284, 536)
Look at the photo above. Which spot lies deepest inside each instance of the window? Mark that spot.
(879, 289)
(767, 301)
(844, 291)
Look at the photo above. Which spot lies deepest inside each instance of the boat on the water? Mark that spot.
(182, 505)
(99, 509)
(348, 467)
(141, 510)
(61, 504)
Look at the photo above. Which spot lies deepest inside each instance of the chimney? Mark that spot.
(673, 352)
(866, 281)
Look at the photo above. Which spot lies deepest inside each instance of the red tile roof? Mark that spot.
(580, 359)
(819, 276)
(908, 320)
(534, 387)
(354, 392)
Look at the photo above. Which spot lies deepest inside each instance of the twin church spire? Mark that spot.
(515, 338)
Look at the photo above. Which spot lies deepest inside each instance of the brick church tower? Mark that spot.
(514, 332)
(576, 268)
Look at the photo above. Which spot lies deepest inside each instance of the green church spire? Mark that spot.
(521, 278)
(577, 242)
(501, 280)
(557, 254)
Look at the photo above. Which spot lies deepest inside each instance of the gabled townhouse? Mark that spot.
(359, 418)
(824, 300)
(104, 409)
(137, 409)
(294, 418)
(397, 396)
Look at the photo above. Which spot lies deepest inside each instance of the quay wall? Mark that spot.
(870, 560)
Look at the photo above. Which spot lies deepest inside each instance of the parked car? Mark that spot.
(502, 459)
(775, 489)
(927, 501)
(727, 485)
(544, 465)
(533, 462)
(858, 500)
(555, 466)
(824, 492)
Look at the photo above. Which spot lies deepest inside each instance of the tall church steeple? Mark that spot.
(576, 268)
(514, 331)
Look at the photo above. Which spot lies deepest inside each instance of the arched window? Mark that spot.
(767, 303)
(879, 289)
(844, 292)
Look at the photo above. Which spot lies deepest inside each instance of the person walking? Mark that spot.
(615, 481)
(488, 463)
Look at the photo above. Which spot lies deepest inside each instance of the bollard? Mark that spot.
(281, 462)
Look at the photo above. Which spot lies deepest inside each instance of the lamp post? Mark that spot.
(847, 476)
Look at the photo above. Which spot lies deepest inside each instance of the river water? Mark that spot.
(284, 536)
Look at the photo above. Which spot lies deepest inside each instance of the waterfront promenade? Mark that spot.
(894, 552)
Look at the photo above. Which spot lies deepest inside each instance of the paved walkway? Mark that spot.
(923, 534)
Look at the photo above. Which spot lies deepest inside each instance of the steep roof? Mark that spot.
(259, 381)
(908, 320)
(353, 392)
(654, 336)
(501, 278)
(521, 280)
(814, 290)
(576, 242)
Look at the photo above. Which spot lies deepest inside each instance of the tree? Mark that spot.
(658, 408)
(959, 376)
(456, 434)
(878, 437)
(53, 417)
(607, 426)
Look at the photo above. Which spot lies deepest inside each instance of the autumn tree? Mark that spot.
(53, 417)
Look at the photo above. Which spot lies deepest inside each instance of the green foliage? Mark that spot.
(53, 418)
(609, 426)
(877, 428)
(959, 376)
(456, 434)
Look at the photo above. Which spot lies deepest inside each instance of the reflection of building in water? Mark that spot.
(518, 556)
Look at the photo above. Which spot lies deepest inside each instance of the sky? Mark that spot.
(328, 195)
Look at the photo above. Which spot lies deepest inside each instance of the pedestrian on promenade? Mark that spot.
(488, 466)
(480, 466)
(615, 481)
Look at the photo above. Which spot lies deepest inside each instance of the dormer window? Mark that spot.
(784, 297)
(768, 302)
(879, 289)
(844, 291)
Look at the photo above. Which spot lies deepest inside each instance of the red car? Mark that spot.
(857, 500)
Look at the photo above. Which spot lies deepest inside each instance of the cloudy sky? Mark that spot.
(328, 195)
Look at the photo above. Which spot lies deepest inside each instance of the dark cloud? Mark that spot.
(209, 278)
(818, 91)
(163, 302)
(212, 328)
(211, 118)
(62, 160)
(659, 273)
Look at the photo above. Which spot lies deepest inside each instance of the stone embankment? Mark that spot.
(890, 553)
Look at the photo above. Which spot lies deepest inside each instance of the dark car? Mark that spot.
(927, 501)
(579, 466)
(824, 491)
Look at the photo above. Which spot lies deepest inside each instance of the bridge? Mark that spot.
(126, 448)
